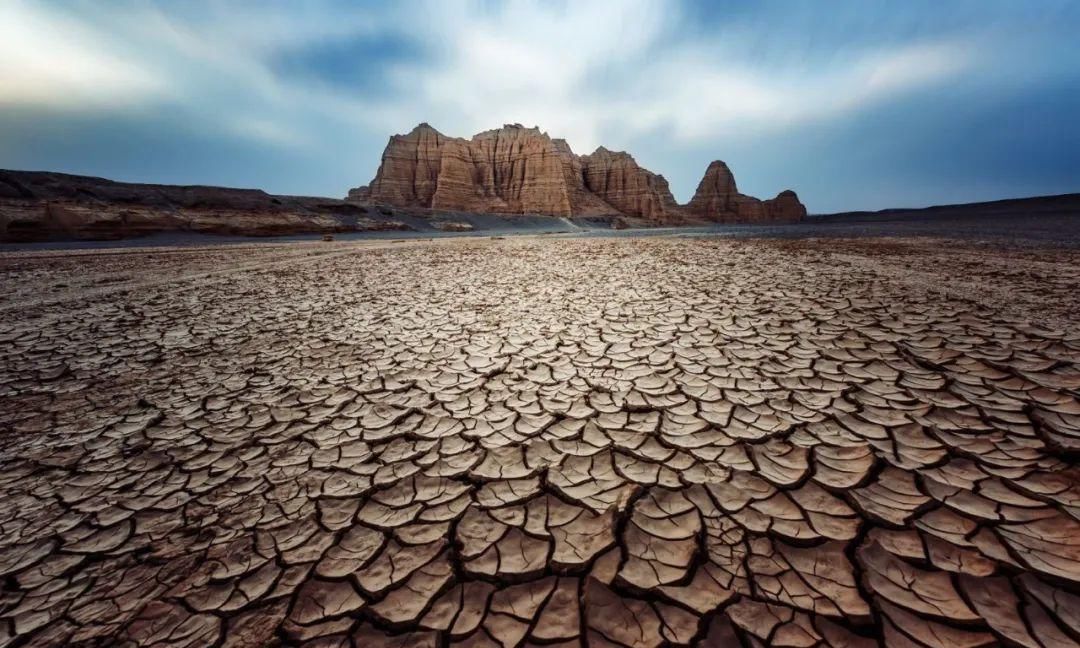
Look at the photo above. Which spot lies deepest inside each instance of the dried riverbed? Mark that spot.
(537, 441)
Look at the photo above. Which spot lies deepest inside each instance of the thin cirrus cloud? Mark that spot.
(99, 59)
(538, 64)
(290, 84)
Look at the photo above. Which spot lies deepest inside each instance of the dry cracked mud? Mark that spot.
(629, 442)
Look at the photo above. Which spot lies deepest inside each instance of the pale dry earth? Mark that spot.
(530, 441)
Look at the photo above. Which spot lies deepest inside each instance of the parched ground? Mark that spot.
(540, 441)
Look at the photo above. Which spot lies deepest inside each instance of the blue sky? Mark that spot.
(855, 105)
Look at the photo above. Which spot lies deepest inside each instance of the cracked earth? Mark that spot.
(526, 442)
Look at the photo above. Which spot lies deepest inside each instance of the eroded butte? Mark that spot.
(628, 442)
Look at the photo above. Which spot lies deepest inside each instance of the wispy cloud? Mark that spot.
(664, 73)
(549, 64)
(691, 96)
(580, 72)
(51, 60)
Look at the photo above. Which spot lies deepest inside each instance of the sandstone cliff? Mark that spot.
(616, 178)
(409, 172)
(512, 170)
(716, 193)
(583, 202)
(518, 170)
(785, 208)
(717, 199)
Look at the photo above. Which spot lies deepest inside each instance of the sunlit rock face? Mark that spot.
(512, 170)
(520, 170)
(633, 442)
(409, 172)
(616, 178)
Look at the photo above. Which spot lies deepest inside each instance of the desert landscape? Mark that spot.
(446, 324)
(542, 441)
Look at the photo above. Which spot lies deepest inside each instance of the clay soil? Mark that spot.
(540, 441)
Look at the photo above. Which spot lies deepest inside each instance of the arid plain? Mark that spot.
(537, 440)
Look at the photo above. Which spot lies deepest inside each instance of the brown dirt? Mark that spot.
(535, 441)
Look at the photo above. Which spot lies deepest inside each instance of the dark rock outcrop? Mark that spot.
(716, 193)
(617, 179)
(37, 206)
(785, 208)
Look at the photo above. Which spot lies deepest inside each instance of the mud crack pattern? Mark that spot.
(609, 443)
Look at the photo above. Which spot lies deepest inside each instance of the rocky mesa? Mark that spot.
(519, 170)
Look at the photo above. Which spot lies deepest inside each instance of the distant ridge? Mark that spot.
(1061, 203)
(43, 205)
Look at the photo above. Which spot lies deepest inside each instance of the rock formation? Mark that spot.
(583, 202)
(717, 199)
(716, 193)
(616, 177)
(499, 174)
(518, 170)
(512, 170)
(785, 208)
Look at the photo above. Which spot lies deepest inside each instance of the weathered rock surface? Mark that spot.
(512, 170)
(518, 170)
(38, 206)
(616, 178)
(718, 199)
(409, 171)
(583, 202)
(513, 167)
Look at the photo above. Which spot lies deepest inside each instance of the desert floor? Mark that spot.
(538, 440)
